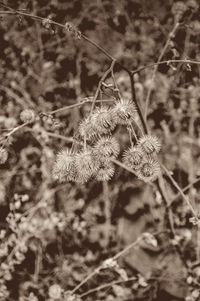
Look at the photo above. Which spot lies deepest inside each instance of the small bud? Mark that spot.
(69, 26)
(27, 115)
(46, 23)
(195, 27)
(3, 155)
(194, 220)
(71, 297)
(55, 291)
(142, 282)
(73, 30)
(109, 263)
(178, 9)
(193, 5)
(17, 204)
(149, 239)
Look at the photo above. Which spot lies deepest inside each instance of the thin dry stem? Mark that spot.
(167, 62)
(171, 34)
(198, 242)
(168, 209)
(184, 189)
(32, 16)
(101, 287)
(14, 96)
(67, 139)
(107, 204)
(97, 270)
(6, 137)
(81, 103)
(105, 75)
(179, 189)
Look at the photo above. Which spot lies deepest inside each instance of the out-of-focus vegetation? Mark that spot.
(53, 235)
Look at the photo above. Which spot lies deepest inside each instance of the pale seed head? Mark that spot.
(3, 155)
(149, 144)
(64, 167)
(133, 157)
(106, 147)
(27, 115)
(105, 172)
(149, 171)
(85, 165)
(124, 111)
(101, 122)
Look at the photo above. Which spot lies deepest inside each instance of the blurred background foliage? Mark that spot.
(65, 234)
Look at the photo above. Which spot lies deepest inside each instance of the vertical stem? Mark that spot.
(133, 131)
(169, 213)
(85, 143)
(38, 260)
(100, 83)
(198, 242)
(107, 209)
(171, 34)
(115, 84)
(131, 76)
(130, 135)
(180, 190)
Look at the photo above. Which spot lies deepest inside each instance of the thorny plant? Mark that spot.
(95, 150)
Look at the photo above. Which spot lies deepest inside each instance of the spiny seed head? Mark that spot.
(149, 170)
(124, 111)
(133, 157)
(64, 167)
(149, 144)
(86, 128)
(85, 165)
(103, 119)
(106, 147)
(105, 172)
(3, 155)
(27, 115)
(99, 123)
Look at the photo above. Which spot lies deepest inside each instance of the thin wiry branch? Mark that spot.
(167, 62)
(100, 83)
(104, 286)
(174, 183)
(35, 17)
(79, 104)
(102, 266)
